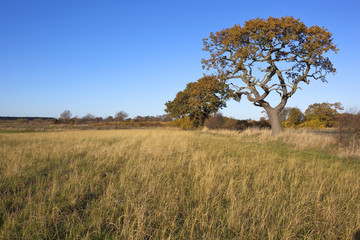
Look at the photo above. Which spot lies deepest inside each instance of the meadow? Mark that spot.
(173, 184)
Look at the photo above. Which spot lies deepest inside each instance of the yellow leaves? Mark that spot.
(260, 36)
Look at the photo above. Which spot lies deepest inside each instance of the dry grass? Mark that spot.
(301, 139)
(171, 184)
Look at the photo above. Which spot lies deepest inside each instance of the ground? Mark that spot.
(173, 184)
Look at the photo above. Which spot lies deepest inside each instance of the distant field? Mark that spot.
(172, 184)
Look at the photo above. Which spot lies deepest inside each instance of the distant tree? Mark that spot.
(198, 100)
(88, 118)
(293, 118)
(121, 116)
(281, 48)
(65, 116)
(322, 115)
(139, 119)
(98, 119)
(109, 119)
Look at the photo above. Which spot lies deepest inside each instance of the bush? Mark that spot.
(262, 124)
(220, 122)
(184, 123)
(349, 131)
(314, 124)
(215, 122)
(231, 124)
(22, 120)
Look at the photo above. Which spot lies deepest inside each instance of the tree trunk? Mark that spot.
(274, 121)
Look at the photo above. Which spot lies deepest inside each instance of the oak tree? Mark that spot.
(269, 55)
(198, 100)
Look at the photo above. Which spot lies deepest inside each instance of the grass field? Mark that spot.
(172, 184)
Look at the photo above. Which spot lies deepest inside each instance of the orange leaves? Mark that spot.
(198, 100)
(267, 40)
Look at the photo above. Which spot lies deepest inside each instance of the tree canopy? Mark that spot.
(269, 55)
(198, 100)
(321, 115)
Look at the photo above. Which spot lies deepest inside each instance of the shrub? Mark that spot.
(54, 121)
(231, 124)
(22, 120)
(184, 123)
(220, 122)
(262, 124)
(349, 131)
(314, 124)
(215, 122)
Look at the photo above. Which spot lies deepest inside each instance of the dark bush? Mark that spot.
(349, 131)
(220, 122)
(261, 124)
(243, 124)
(215, 122)
(230, 123)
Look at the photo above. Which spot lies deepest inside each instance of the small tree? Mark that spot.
(293, 117)
(250, 58)
(121, 116)
(109, 119)
(88, 118)
(198, 100)
(65, 116)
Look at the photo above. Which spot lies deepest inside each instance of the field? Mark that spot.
(172, 184)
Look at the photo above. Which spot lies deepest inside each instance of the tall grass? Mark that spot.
(170, 184)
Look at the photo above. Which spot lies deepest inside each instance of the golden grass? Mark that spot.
(172, 184)
(299, 138)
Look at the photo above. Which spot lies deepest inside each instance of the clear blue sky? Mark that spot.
(101, 57)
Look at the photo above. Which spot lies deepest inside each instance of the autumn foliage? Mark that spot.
(283, 51)
(198, 101)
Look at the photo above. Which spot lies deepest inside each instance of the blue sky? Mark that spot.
(101, 57)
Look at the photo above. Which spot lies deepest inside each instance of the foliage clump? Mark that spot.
(316, 116)
(322, 115)
(198, 101)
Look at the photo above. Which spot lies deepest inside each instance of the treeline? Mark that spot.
(218, 121)
(25, 118)
(122, 116)
(317, 115)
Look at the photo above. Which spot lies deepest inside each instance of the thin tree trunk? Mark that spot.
(274, 120)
